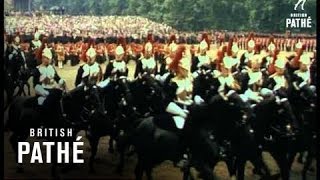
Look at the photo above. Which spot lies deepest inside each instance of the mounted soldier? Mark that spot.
(170, 53)
(147, 64)
(179, 88)
(60, 50)
(232, 53)
(202, 61)
(252, 49)
(46, 80)
(90, 73)
(118, 66)
(253, 80)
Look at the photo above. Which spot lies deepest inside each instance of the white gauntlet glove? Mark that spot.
(198, 100)
(61, 82)
(41, 91)
(173, 108)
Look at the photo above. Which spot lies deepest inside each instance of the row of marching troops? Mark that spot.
(71, 47)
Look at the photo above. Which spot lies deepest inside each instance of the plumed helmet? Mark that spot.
(46, 52)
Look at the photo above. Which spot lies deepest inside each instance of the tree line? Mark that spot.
(196, 15)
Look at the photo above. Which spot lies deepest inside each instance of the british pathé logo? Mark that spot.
(298, 19)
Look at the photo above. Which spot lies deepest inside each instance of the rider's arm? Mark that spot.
(39, 90)
(109, 68)
(138, 69)
(79, 76)
(170, 105)
(57, 77)
(194, 64)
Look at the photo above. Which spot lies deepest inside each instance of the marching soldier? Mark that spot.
(74, 54)
(60, 54)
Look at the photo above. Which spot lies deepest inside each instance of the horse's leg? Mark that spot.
(282, 161)
(240, 168)
(28, 88)
(186, 171)
(307, 165)
(259, 167)
(231, 164)
(111, 149)
(123, 144)
(14, 139)
(20, 90)
(139, 169)
(149, 171)
(206, 172)
(291, 157)
(121, 163)
(94, 140)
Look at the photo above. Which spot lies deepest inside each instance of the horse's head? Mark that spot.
(239, 107)
(205, 83)
(308, 96)
(95, 99)
(123, 91)
(150, 88)
(282, 118)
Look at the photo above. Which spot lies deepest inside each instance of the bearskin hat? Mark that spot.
(172, 38)
(205, 39)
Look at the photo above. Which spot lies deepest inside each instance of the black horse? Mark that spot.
(105, 121)
(141, 99)
(275, 131)
(303, 102)
(232, 128)
(231, 124)
(154, 143)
